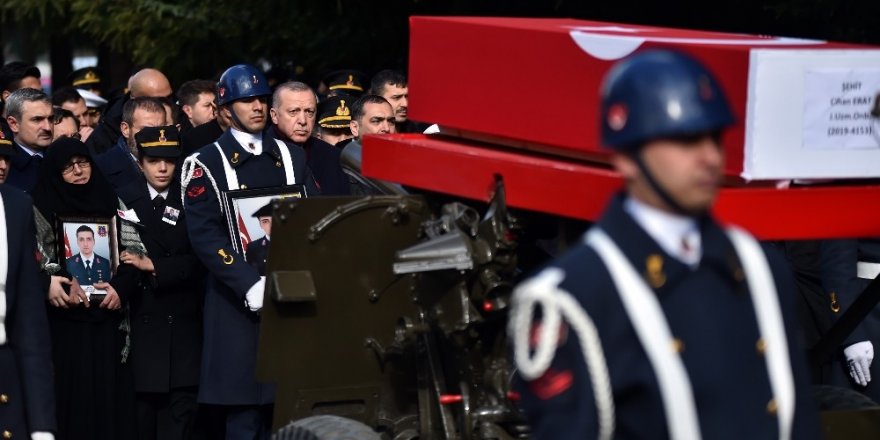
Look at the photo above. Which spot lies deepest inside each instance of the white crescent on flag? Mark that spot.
(615, 42)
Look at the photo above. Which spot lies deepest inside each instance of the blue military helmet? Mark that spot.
(660, 94)
(241, 81)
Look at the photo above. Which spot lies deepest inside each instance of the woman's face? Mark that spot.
(77, 171)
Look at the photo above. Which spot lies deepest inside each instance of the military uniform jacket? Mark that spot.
(98, 271)
(27, 400)
(165, 309)
(231, 329)
(257, 253)
(709, 312)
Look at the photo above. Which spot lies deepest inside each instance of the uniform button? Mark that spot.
(772, 407)
(170, 319)
(242, 186)
(739, 275)
(761, 346)
(677, 345)
(7, 434)
(4, 399)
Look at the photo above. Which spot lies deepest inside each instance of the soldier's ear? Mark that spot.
(353, 126)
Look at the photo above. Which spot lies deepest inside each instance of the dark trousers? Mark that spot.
(168, 416)
(248, 422)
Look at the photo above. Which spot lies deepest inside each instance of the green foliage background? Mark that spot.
(190, 38)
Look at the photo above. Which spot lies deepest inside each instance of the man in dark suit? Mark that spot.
(118, 164)
(87, 266)
(29, 114)
(165, 284)
(294, 109)
(27, 402)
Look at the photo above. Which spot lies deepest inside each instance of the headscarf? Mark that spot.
(55, 197)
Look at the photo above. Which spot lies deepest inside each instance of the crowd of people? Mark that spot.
(152, 306)
(131, 302)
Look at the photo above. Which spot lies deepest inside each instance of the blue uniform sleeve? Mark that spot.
(210, 239)
(838, 260)
(806, 417)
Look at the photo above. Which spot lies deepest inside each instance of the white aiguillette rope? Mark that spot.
(4, 270)
(555, 303)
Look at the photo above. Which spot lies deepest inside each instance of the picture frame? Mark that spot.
(90, 258)
(240, 205)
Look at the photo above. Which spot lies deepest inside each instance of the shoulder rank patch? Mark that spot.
(552, 383)
(197, 172)
(195, 191)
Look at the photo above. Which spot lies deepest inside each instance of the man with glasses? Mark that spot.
(69, 99)
(29, 115)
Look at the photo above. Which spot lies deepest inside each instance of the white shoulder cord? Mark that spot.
(188, 168)
(231, 176)
(652, 329)
(543, 290)
(288, 163)
(765, 300)
(4, 270)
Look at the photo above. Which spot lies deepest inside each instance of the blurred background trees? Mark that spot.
(199, 38)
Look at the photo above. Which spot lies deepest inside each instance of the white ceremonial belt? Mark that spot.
(867, 270)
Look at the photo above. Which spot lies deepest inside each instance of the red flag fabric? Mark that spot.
(67, 253)
(245, 237)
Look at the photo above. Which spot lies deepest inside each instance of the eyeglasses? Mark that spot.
(82, 164)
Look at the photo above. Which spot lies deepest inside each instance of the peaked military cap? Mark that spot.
(346, 82)
(335, 112)
(160, 141)
(87, 76)
(265, 211)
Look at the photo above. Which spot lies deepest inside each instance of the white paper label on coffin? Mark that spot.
(615, 42)
(790, 92)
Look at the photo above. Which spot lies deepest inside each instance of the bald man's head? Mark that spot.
(149, 83)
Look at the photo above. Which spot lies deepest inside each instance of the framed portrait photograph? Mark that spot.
(88, 250)
(249, 214)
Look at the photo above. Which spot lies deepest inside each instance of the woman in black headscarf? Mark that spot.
(86, 338)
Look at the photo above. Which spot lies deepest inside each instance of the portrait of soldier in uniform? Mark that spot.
(86, 263)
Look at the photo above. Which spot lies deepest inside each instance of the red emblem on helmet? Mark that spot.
(705, 86)
(222, 91)
(617, 115)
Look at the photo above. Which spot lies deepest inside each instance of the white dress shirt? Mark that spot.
(247, 139)
(670, 231)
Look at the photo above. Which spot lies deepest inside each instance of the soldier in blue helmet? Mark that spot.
(242, 158)
(661, 323)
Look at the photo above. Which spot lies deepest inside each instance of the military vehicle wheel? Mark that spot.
(326, 428)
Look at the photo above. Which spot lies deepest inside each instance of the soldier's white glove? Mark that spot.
(858, 359)
(253, 299)
(42, 436)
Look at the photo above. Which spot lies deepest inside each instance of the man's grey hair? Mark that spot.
(293, 86)
(15, 101)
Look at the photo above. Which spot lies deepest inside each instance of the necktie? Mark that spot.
(158, 202)
(88, 265)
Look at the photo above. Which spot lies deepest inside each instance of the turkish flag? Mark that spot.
(242, 231)
(67, 253)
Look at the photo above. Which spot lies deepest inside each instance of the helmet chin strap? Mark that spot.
(660, 191)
